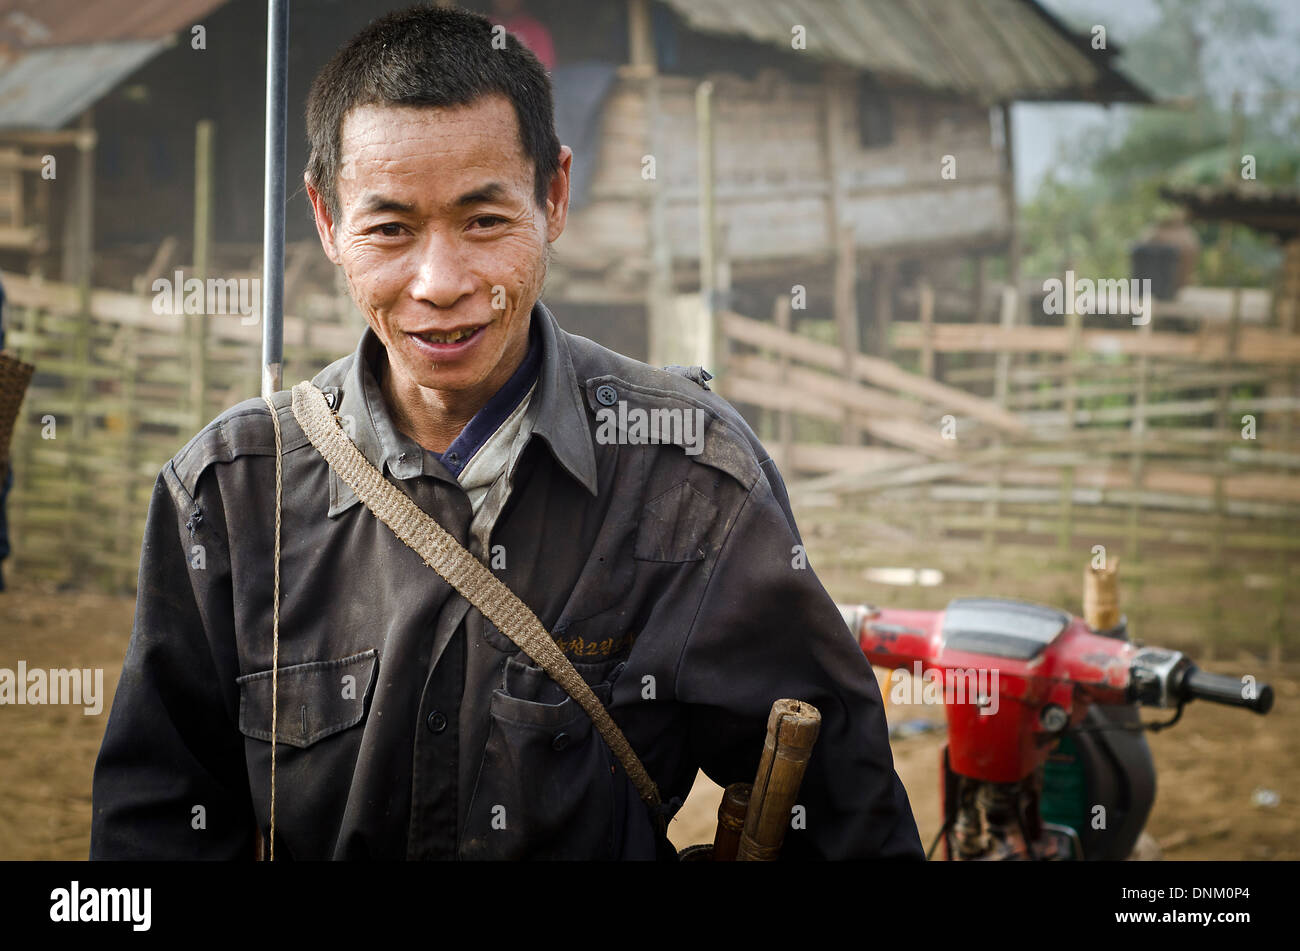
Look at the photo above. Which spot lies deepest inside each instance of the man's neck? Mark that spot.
(434, 418)
(423, 414)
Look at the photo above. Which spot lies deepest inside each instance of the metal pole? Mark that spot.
(277, 68)
(709, 230)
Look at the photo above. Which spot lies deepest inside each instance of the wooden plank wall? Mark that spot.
(772, 180)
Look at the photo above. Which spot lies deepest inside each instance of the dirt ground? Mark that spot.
(1210, 770)
(1228, 780)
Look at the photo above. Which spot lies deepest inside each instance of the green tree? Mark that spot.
(1193, 60)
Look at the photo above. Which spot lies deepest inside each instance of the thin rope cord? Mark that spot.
(275, 613)
(441, 552)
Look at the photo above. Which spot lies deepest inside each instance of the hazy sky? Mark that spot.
(1041, 130)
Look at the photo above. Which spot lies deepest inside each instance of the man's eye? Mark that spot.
(390, 229)
(491, 220)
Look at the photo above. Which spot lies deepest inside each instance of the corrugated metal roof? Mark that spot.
(57, 57)
(1270, 208)
(29, 24)
(1246, 192)
(993, 50)
(45, 89)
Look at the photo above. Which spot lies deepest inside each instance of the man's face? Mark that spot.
(441, 242)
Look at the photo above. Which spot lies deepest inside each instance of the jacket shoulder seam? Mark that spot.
(225, 439)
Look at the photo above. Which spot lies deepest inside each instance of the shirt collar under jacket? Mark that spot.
(561, 416)
(495, 412)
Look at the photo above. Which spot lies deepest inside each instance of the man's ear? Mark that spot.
(557, 196)
(324, 221)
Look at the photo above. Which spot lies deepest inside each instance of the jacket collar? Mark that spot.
(561, 416)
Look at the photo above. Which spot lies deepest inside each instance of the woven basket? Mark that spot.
(14, 377)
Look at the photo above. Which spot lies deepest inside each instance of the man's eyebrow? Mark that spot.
(376, 202)
(492, 191)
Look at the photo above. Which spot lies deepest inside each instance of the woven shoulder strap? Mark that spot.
(460, 569)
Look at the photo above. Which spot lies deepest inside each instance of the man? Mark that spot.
(406, 725)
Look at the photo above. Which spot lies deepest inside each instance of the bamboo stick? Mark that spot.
(792, 728)
(731, 821)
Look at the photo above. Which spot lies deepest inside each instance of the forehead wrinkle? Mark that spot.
(395, 144)
(380, 125)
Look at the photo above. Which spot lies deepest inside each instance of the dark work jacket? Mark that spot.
(407, 725)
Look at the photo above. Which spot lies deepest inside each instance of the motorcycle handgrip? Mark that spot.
(1201, 685)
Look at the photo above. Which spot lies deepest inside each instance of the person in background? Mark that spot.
(527, 28)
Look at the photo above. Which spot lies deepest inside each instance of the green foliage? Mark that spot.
(1275, 162)
(1088, 217)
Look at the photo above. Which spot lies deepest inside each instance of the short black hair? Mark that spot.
(430, 56)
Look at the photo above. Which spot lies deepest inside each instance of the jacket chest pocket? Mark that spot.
(549, 787)
(313, 700)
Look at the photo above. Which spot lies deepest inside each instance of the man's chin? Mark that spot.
(443, 382)
(450, 375)
(420, 373)
(448, 386)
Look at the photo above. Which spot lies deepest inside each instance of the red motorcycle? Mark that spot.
(1046, 757)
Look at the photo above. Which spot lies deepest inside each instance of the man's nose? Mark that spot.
(442, 274)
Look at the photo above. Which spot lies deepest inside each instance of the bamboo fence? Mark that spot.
(1004, 477)
(113, 399)
(1051, 448)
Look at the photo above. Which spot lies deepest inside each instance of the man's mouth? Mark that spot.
(454, 336)
(444, 346)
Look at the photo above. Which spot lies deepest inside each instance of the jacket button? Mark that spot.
(437, 721)
(606, 395)
(560, 742)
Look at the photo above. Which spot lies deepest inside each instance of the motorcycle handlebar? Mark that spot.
(1198, 684)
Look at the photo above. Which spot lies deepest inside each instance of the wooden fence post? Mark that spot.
(785, 423)
(74, 467)
(925, 316)
(1074, 322)
(130, 448)
(197, 324)
(846, 316)
(1001, 392)
(1137, 473)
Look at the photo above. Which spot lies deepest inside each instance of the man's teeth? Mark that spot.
(448, 338)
